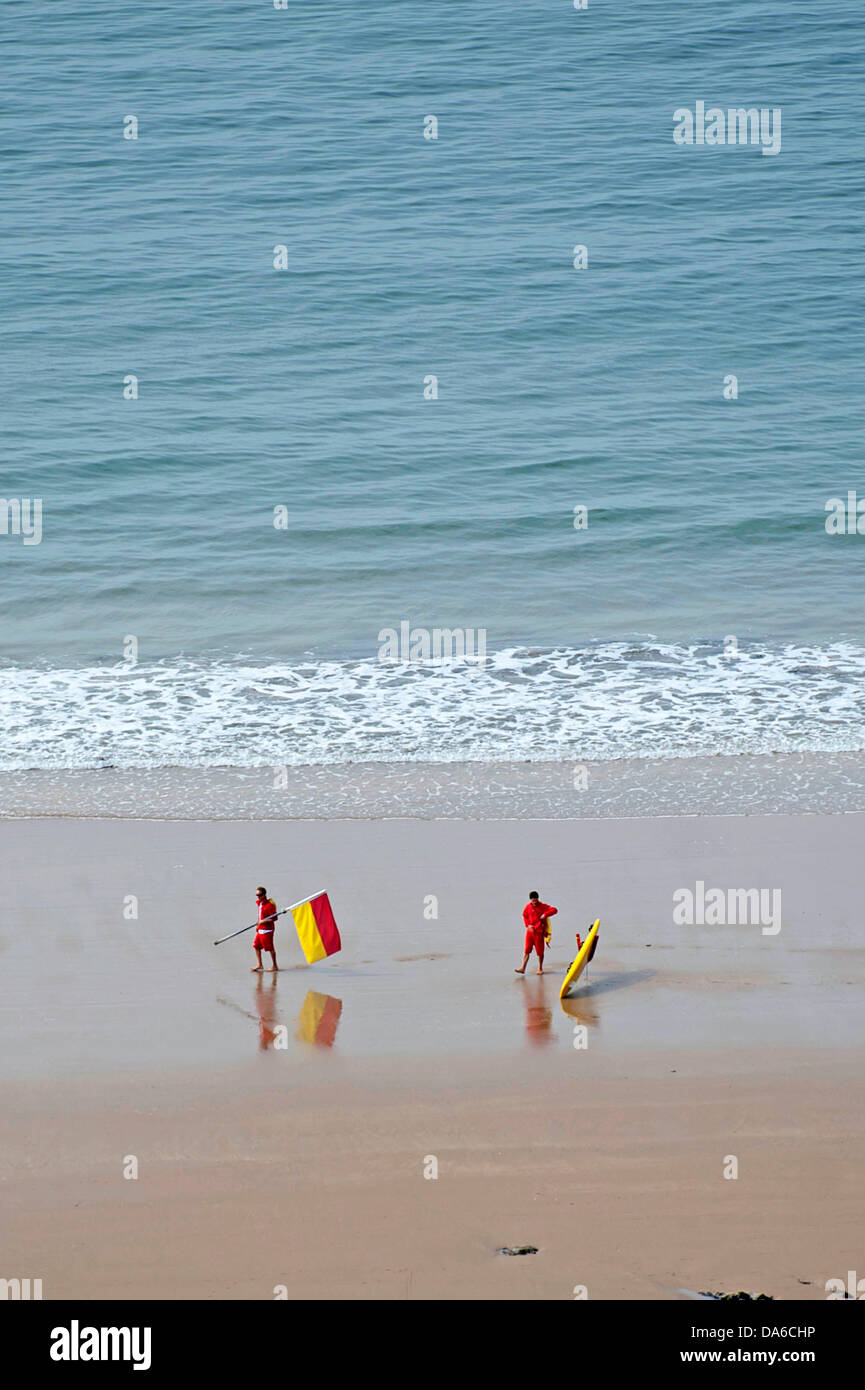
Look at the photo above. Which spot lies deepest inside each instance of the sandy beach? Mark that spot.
(282, 1126)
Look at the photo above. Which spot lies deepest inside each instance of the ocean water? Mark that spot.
(304, 388)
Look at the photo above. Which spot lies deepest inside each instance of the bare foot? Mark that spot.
(539, 972)
(518, 972)
(272, 969)
(255, 969)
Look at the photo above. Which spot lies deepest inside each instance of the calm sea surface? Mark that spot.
(409, 258)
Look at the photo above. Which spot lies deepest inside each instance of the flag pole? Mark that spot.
(307, 899)
(272, 918)
(240, 931)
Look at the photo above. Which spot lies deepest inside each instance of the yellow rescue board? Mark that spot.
(575, 969)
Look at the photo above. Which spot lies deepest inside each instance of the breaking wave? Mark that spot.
(613, 700)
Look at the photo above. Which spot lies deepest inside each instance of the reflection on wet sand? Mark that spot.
(581, 1005)
(265, 1003)
(539, 1012)
(318, 1019)
(316, 1024)
(581, 1009)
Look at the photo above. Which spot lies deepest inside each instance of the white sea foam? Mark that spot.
(610, 701)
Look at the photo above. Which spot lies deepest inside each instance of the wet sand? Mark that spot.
(744, 784)
(282, 1125)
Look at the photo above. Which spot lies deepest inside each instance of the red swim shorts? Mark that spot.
(534, 940)
(263, 940)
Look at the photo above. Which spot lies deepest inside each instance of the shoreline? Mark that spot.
(716, 785)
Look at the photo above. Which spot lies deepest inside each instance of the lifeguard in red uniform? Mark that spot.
(535, 914)
(264, 934)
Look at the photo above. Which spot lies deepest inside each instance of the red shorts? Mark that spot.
(535, 940)
(263, 940)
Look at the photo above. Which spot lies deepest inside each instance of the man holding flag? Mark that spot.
(317, 931)
(264, 934)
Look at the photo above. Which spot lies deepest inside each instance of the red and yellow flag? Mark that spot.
(316, 928)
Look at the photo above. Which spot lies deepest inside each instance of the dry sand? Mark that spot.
(263, 1164)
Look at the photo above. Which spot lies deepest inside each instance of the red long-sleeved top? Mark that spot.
(534, 913)
(266, 909)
